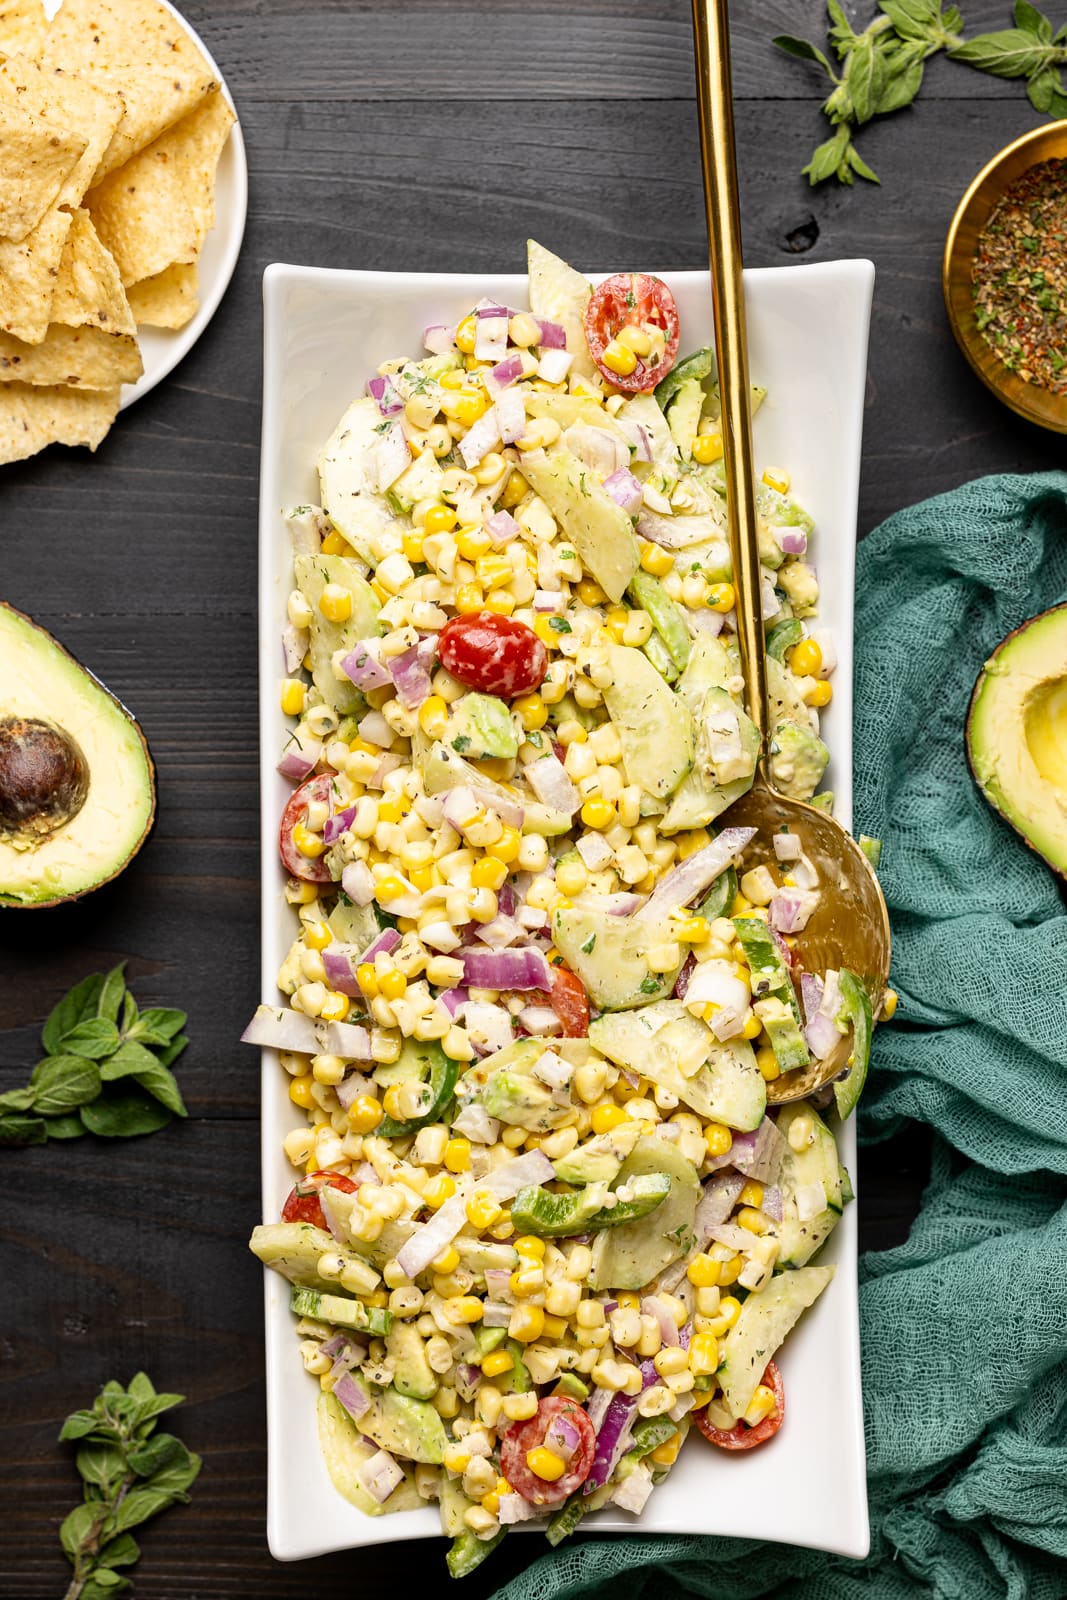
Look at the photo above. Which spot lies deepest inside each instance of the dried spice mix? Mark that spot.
(1019, 277)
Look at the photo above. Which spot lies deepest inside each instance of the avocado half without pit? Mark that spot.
(1017, 733)
(77, 784)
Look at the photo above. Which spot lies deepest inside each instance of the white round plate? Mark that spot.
(162, 348)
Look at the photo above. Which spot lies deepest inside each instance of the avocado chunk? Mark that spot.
(856, 1009)
(554, 1216)
(683, 415)
(407, 1428)
(600, 530)
(481, 728)
(521, 1101)
(598, 1159)
(412, 1375)
(345, 1452)
(313, 573)
(1015, 745)
(816, 1164)
(631, 1256)
(653, 723)
(727, 741)
(775, 1000)
(77, 784)
(798, 759)
(610, 955)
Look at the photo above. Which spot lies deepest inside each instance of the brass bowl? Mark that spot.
(1028, 400)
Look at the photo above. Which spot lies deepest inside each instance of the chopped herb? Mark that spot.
(590, 944)
(1019, 276)
(559, 624)
(650, 984)
(461, 743)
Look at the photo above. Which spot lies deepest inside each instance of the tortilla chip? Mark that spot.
(72, 102)
(23, 26)
(91, 343)
(28, 273)
(169, 300)
(35, 157)
(31, 418)
(138, 49)
(157, 209)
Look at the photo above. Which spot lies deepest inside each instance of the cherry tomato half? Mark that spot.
(569, 1001)
(303, 1202)
(493, 654)
(741, 1436)
(522, 1437)
(301, 866)
(633, 299)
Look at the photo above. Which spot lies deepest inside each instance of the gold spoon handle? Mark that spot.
(711, 31)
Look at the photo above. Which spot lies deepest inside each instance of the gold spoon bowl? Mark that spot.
(850, 927)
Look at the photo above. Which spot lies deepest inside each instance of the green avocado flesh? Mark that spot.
(77, 787)
(1017, 733)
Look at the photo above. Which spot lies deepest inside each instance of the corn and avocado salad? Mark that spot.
(543, 1222)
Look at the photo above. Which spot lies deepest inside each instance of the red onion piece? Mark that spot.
(624, 489)
(612, 1439)
(502, 527)
(793, 541)
(772, 1203)
(439, 340)
(363, 666)
(716, 1203)
(299, 758)
(411, 673)
(681, 983)
(383, 390)
(389, 763)
(380, 1475)
(821, 1036)
(351, 1086)
(811, 993)
(354, 1399)
(553, 335)
(506, 372)
(437, 1234)
(790, 910)
(668, 1328)
(491, 308)
(757, 1154)
(339, 962)
(639, 437)
(491, 334)
(357, 881)
(562, 1437)
(335, 825)
(696, 874)
(452, 999)
(506, 969)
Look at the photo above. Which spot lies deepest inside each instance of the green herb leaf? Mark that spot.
(128, 1061)
(68, 1126)
(121, 1551)
(124, 1114)
(803, 51)
(162, 1451)
(857, 164)
(112, 994)
(78, 1424)
(102, 1465)
(95, 1038)
(177, 1478)
(138, 1506)
(104, 1584)
(19, 1129)
(1012, 53)
(866, 77)
(129, 1013)
(63, 1083)
(18, 1099)
(156, 1025)
(78, 1528)
(827, 158)
(903, 84)
(1031, 20)
(76, 1006)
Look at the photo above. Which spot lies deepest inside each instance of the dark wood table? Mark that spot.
(381, 135)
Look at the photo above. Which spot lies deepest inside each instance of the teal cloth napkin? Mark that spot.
(964, 1327)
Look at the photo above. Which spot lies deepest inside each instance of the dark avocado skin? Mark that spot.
(972, 758)
(67, 899)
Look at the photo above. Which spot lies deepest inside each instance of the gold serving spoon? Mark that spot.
(850, 926)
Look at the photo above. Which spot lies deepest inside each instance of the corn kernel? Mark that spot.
(465, 1308)
(458, 1155)
(496, 1363)
(412, 545)
(721, 597)
(335, 544)
(300, 1091)
(729, 1311)
(364, 1114)
(598, 813)
(335, 603)
(751, 1220)
(438, 1190)
(527, 1323)
(530, 1245)
(493, 570)
(507, 847)
(656, 560)
(707, 448)
(545, 1464)
(335, 1008)
(618, 359)
(309, 844)
(777, 478)
(666, 1454)
(472, 542)
(889, 1004)
(469, 598)
(393, 985)
(293, 696)
(693, 930)
(820, 694)
(433, 716)
(367, 979)
(768, 1064)
(532, 711)
(761, 1406)
(519, 1408)
(703, 1271)
(483, 1209)
(465, 336)
(752, 1029)
(805, 658)
(607, 1116)
(317, 934)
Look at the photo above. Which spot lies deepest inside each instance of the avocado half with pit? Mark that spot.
(1017, 733)
(77, 784)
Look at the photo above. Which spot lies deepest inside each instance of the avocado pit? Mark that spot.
(44, 780)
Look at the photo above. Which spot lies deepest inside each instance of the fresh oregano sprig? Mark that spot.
(880, 69)
(106, 1068)
(129, 1473)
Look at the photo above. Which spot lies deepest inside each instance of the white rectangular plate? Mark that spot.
(325, 333)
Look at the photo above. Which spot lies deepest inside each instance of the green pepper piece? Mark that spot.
(823, 802)
(771, 981)
(699, 365)
(660, 657)
(872, 849)
(468, 1551)
(563, 1522)
(443, 1075)
(519, 1376)
(571, 1387)
(857, 1009)
(668, 618)
(340, 1310)
(783, 636)
(720, 896)
(649, 1434)
(552, 1216)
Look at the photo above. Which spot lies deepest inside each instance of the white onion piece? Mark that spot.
(540, 1021)
(552, 784)
(554, 365)
(594, 850)
(510, 413)
(357, 881)
(810, 1200)
(716, 983)
(391, 457)
(491, 337)
(306, 526)
(825, 641)
(513, 1507)
(300, 757)
(480, 438)
(374, 728)
(351, 1086)
(437, 1234)
(696, 874)
(475, 1121)
(439, 340)
(280, 1028)
(787, 846)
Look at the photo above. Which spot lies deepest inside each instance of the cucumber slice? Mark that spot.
(555, 1216)
(631, 1256)
(345, 1452)
(765, 1320)
(468, 1552)
(816, 1164)
(857, 1010)
(668, 618)
(313, 573)
(295, 1248)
